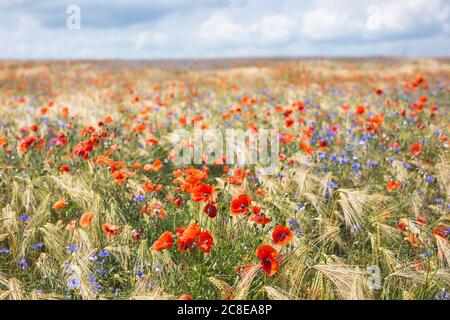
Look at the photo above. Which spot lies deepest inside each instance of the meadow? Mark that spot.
(94, 207)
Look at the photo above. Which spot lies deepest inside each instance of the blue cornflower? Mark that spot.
(23, 264)
(73, 283)
(4, 251)
(442, 295)
(139, 198)
(427, 254)
(72, 248)
(140, 274)
(37, 246)
(373, 164)
(300, 206)
(68, 267)
(332, 185)
(103, 254)
(439, 200)
(447, 231)
(295, 226)
(406, 165)
(101, 271)
(430, 179)
(95, 285)
(24, 218)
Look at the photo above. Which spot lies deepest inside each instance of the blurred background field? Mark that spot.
(364, 179)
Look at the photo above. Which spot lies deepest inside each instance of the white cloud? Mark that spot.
(219, 28)
(321, 23)
(150, 38)
(277, 28)
(407, 16)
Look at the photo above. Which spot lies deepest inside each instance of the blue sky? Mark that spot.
(137, 29)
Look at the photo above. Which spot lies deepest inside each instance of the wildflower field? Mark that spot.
(93, 205)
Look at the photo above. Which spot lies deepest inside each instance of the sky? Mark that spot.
(179, 29)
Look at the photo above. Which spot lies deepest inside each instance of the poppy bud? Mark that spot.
(211, 209)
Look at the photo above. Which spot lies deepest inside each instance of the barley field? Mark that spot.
(93, 205)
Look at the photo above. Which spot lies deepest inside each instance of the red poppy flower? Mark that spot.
(110, 230)
(267, 254)
(86, 219)
(185, 297)
(238, 176)
(61, 203)
(360, 110)
(61, 139)
(441, 231)
(64, 168)
(178, 202)
(204, 241)
(412, 239)
(83, 149)
(202, 193)
(119, 177)
(281, 235)
(71, 226)
(3, 142)
(287, 138)
(156, 208)
(26, 143)
(421, 220)
(157, 164)
(415, 149)
(289, 122)
(211, 209)
(187, 236)
(402, 224)
(306, 147)
(136, 235)
(259, 218)
(391, 185)
(165, 241)
(240, 204)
